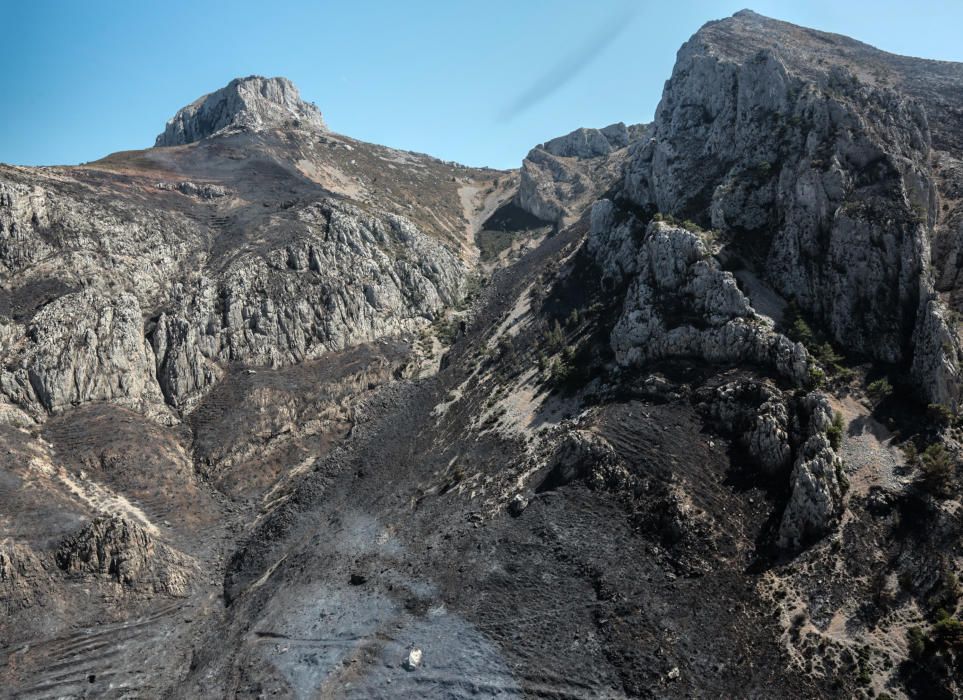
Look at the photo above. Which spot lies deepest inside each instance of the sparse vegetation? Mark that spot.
(445, 329)
(560, 371)
(916, 641)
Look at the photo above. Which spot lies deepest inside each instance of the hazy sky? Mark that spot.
(476, 82)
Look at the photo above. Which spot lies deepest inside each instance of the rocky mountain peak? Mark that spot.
(253, 103)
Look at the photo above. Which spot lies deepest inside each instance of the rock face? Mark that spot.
(83, 347)
(268, 365)
(562, 177)
(23, 579)
(780, 136)
(345, 276)
(120, 550)
(817, 482)
(252, 103)
(580, 455)
(680, 303)
(759, 415)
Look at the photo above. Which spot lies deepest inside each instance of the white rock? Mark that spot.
(414, 659)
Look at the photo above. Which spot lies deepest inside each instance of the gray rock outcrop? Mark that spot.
(252, 103)
(759, 416)
(680, 303)
(779, 430)
(592, 143)
(82, 347)
(143, 299)
(817, 483)
(23, 578)
(122, 551)
(562, 177)
(581, 454)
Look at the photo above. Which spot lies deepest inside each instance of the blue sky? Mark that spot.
(476, 82)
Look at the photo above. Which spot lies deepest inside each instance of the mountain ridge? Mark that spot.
(293, 414)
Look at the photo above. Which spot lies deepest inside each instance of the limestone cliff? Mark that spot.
(820, 151)
(245, 103)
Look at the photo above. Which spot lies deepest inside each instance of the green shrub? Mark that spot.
(916, 641)
(910, 452)
(948, 630)
(938, 468)
(816, 376)
(560, 372)
(835, 431)
(939, 414)
(818, 345)
(446, 329)
(801, 332)
(555, 338)
(879, 389)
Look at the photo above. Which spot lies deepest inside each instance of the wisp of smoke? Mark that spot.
(569, 66)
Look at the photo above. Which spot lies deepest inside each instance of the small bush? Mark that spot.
(910, 452)
(880, 389)
(916, 641)
(560, 372)
(816, 376)
(446, 330)
(798, 330)
(939, 414)
(555, 338)
(948, 630)
(835, 431)
(947, 594)
(667, 218)
(938, 468)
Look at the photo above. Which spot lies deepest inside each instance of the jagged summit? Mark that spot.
(828, 59)
(252, 103)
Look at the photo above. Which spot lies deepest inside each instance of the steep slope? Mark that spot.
(258, 246)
